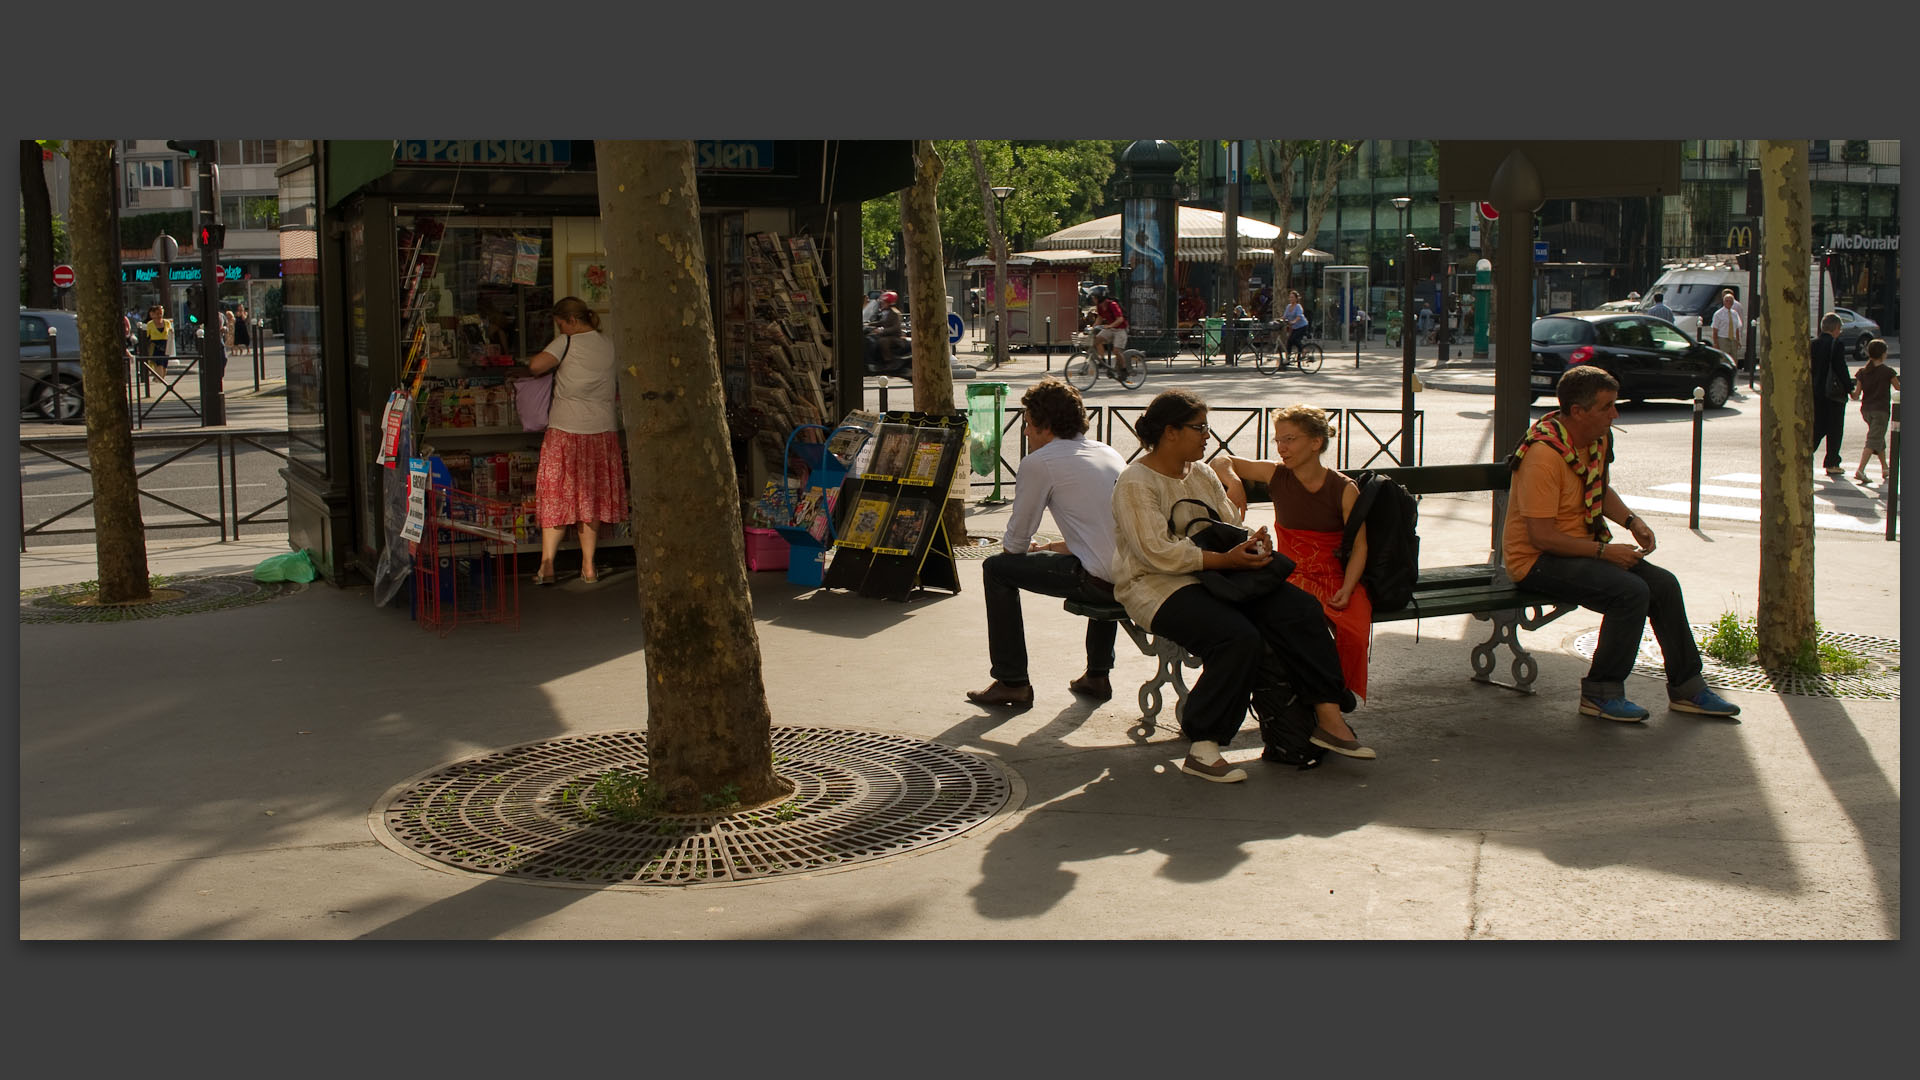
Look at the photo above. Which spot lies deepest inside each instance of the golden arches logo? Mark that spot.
(1740, 238)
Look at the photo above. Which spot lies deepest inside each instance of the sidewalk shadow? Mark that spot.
(274, 727)
(1456, 757)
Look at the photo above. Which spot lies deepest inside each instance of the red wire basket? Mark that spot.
(464, 566)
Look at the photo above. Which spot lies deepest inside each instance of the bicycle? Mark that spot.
(1305, 357)
(1083, 367)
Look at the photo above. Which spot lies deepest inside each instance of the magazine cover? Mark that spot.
(928, 450)
(905, 528)
(896, 445)
(851, 443)
(863, 526)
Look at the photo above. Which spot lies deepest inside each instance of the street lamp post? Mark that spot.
(1403, 204)
(1000, 195)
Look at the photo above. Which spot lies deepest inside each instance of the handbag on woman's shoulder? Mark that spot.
(533, 396)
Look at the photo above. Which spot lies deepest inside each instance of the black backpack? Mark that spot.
(1286, 722)
(1393, 546)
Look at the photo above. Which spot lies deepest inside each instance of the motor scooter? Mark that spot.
(878, 363)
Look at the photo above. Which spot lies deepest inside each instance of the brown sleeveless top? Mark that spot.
(1297, 508)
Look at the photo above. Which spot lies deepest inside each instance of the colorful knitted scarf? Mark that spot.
(1593, 476)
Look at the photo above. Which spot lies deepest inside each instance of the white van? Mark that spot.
(1692, 289)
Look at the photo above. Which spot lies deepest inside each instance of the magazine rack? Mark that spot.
(889, 533)
(807, 542)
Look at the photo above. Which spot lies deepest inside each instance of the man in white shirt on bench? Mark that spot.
(1072, 476)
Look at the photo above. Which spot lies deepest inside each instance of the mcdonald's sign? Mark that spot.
(1740, 238)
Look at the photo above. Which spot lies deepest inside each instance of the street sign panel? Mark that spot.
(1539, 251)
(955, 328)
(63, 276)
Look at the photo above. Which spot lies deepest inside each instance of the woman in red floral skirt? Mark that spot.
(582, 479)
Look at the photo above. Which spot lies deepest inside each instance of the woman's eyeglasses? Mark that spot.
(1200, 427)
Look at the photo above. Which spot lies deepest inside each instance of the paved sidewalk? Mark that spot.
(218, 784)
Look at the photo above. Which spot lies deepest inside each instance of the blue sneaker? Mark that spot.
(1705, 703)
(1613, 708)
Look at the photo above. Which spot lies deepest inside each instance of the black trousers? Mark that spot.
(1286, 628)
(1049, 573)
(1829, 423)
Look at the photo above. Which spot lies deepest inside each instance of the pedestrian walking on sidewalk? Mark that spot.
(1155, 580)
(1556, 542)
(582, 480)
(1071, 475)
(1832, 387)
(1873, 388)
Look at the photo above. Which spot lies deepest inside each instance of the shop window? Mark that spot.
(250, 211)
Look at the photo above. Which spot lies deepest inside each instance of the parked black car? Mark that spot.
(1649, 356)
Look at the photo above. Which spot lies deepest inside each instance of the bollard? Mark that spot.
(883, 393)
(1891, 481)
(1049, 343)
(1699, 426)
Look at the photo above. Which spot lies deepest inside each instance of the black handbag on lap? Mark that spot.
(1232, 586)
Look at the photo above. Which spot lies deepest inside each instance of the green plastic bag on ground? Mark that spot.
(289, 566)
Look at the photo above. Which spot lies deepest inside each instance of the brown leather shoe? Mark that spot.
(999, 694)
(1094, 686)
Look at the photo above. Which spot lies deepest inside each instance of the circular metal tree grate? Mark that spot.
(1880, 680)
(171, 596)
(528, 812)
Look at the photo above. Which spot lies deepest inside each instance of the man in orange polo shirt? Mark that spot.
(1556, 542)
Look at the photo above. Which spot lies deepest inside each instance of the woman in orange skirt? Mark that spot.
(1310, 507)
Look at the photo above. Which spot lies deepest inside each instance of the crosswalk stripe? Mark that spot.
(1723, 511)
(1727, 491)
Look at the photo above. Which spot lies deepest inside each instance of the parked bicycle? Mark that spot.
(1083, 367)
(1304, 356)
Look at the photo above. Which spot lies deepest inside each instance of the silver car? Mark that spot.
(1856, 330)
(50, 380)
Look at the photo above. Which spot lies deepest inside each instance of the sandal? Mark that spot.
(590, 578)
(538, 580)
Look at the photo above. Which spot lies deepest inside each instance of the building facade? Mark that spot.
(1598, 249)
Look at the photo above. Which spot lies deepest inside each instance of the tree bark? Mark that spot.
(997, 242)
(927, 290)
(708, 725)
(36, 231)
(1786, 587)
(120, 539)
(1279, 157)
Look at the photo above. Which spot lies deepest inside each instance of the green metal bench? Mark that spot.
(1482, 590)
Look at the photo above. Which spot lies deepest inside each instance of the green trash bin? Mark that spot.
(986, 416)
(1210, 329)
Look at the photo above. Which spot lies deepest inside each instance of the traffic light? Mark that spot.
(194, 304)
(212, 235)
(191, 149)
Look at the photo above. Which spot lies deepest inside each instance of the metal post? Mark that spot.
(1049, 343)
(1891, 482)
(1699, 427)
(213, 359)
(883, 393)
(1406, 340)
(1442, 331)
(1232, 244)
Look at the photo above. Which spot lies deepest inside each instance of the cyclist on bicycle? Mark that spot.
(1295, 317)
(1110, 328)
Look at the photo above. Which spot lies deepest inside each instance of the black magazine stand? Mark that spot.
(890, 533)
